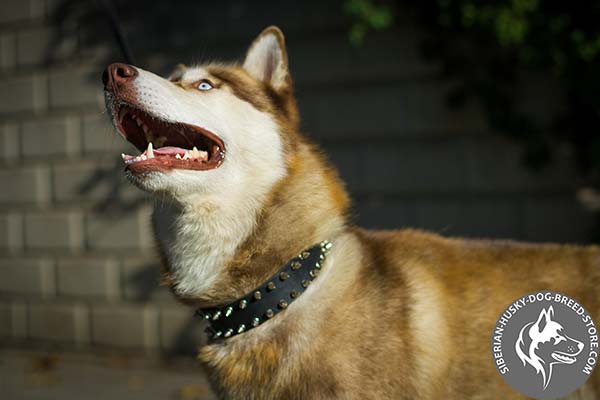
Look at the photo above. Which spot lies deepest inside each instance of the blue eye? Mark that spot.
(204, 86)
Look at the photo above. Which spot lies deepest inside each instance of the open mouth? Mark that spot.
(563, 358)
(167, 145)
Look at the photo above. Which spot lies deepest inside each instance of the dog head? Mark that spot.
(205, 130)
(544, 343)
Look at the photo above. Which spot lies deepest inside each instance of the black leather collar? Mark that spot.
(269, 299)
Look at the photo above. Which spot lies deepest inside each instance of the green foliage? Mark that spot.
(492, 48)
(367, 16)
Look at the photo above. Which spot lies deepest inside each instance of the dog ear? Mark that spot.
(177, 72)
(543, 319)
(266, 59)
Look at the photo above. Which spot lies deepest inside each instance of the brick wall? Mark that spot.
(76, 255)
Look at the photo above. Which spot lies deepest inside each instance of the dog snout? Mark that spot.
(118, 74)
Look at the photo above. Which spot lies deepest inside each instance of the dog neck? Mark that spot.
(217, 250)
(270, 298)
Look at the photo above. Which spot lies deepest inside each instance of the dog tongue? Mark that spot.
(169, 150)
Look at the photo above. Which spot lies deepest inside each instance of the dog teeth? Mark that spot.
(127, 159)
(131, 160)
(195, 153)
(150, 151)
(199, 154)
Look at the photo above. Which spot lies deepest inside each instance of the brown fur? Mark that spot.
(394, 315)
(370, 343)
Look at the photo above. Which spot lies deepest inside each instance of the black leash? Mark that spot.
(107, 7)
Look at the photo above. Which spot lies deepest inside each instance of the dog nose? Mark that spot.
(118, 74)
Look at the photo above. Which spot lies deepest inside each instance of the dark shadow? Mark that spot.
(145, 282)
(161, 34)
(116, 201)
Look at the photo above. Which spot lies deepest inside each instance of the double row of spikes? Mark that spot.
(257, 295)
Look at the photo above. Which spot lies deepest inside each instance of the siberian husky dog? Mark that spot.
(248, 211)
(543, 343)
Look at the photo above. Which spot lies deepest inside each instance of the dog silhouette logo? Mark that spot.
(544, 343)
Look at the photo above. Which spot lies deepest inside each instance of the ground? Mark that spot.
(42, 375)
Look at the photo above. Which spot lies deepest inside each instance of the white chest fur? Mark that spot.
(198, 241)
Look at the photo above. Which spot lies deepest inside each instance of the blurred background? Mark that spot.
(468, 118)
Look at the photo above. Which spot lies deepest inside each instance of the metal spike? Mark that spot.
(327, 245)
(217, 334)
(321, 257)
(269, 313)
(257, 295)
(228, 333)
(271, 286)
(318, 265)
(305, 283)
(207, 316)
(304, 255)
(284, 275)
(228, 311)
(314, 273)
(255, 321)
(282, 304)
(243, 304)
(216, 315)
(296, 265)
(241, 329)
(294, 294)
